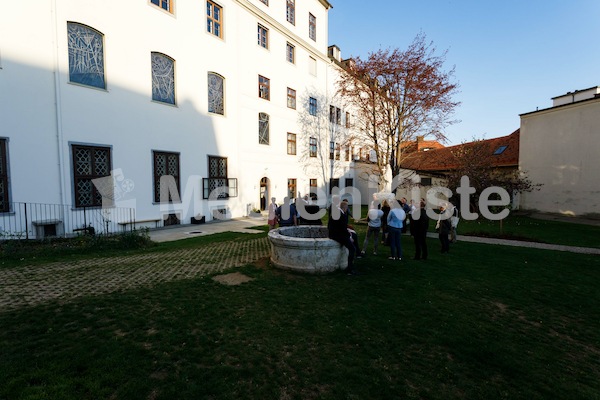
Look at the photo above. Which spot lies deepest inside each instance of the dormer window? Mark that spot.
(500, 150)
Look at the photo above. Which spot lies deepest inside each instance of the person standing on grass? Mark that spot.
(419, 227)
(454, 222)
(374, 227)
(406, 208)
(337, 226)
(444, 227)
(385, 207)
(272, 218)
(395, 222)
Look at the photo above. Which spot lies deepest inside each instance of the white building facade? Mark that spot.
(207, 92)
(559, 149)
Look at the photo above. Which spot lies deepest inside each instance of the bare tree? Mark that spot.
(399, 95)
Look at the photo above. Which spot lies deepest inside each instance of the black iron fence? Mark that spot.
(40, 221)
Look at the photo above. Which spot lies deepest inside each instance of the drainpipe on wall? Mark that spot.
(57, 107)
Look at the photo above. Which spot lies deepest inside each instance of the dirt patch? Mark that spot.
(235, 278)
(262, 263)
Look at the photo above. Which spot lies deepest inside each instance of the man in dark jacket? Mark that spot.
(420, 225)
(337, 225)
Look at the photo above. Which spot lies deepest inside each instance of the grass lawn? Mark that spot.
(485, 322)
(528, 228)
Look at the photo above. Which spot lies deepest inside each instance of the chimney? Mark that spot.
(420, 142)
(334, 53)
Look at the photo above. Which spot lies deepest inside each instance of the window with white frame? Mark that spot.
(86, 55)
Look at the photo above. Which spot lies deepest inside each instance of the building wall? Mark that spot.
(559, 148)
(42, 114)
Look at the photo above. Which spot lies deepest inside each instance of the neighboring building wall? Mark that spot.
(560, 149)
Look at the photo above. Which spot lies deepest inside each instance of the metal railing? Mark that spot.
(40, 221)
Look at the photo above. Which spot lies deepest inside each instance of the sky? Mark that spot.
(510, 56)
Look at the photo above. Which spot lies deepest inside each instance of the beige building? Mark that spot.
(560, 149)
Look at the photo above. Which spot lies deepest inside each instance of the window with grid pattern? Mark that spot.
(264, 87)
(312, 27)
(89, 163)
(165, 164)
(290, 52)
(291, 98)
(313, 189)
(86, 55)
(214, 19)
(290, 12)
(216, 93)
(263, 36)
(312, 106)
(163, 78)
(312, 147)
(217, 180)
(292, 188)
(291, 144)
(164, 4)
(4, 205)
(331, 150)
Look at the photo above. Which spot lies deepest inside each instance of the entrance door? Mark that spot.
(264, 193)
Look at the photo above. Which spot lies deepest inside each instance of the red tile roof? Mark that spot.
(443, 159)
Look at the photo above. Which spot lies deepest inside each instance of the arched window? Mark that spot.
(216, 93)
(86, 55)
(163, 78)
(263, 128)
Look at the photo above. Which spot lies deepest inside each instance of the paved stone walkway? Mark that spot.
(33, 285)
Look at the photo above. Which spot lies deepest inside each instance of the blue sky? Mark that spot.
(511, 57)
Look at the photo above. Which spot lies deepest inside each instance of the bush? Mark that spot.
(21, 248)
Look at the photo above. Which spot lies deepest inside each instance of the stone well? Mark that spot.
(306, 249)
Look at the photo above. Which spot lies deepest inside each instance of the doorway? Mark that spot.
(264, 193)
